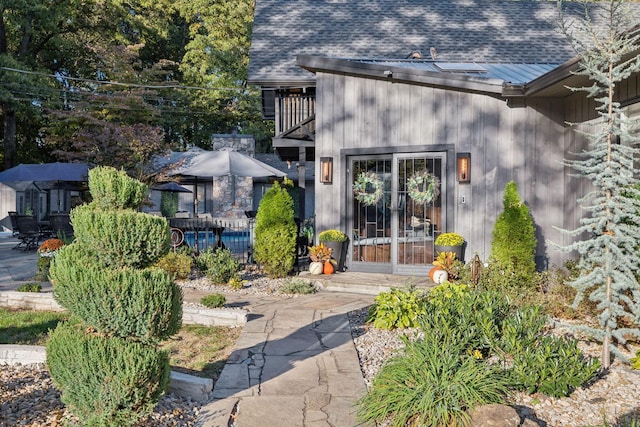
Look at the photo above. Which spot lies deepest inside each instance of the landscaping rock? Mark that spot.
(495, 415)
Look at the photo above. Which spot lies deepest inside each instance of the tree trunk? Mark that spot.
(9, 136)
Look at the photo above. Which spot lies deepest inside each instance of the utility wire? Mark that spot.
(61, 77)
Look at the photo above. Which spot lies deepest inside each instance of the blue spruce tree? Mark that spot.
(608, 238)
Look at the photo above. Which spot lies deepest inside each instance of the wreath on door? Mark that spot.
(361, 188)
(423, 187)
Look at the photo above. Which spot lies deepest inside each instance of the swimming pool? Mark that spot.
(238, 242)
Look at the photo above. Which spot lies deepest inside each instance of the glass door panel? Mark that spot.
(418, 219)
(371, 222)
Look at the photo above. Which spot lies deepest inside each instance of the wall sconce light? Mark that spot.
(464, 167)
(326, 170)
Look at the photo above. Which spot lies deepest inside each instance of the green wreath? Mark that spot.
(360, 188)
(423, 187)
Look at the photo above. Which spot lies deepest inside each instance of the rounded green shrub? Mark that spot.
(218, 265)
(176, 264)
(275, 243)
(213, 300)
(106, 381)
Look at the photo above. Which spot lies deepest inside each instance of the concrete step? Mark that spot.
(367, 283)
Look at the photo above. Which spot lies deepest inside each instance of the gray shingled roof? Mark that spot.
(488, 31)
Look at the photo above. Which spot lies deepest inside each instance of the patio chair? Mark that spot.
(14, 223)
(61, 226)
(29, 232)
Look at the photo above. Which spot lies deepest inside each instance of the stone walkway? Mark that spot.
(295, 364)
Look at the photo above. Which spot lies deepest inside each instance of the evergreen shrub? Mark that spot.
(109, 369)
(275, 243)
(218, 265)
(112, 189)
(141, 304)
(169, 203)
(121, 238)
(176, 264)
(106, 381)
(513, 246)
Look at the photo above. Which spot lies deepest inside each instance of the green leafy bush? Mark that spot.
(29, 287)
(398, 308)
(176, 264)
(218, 265)
(513, 246)
(449, 239)
(106, 381)
(298, 286)
(332, 236)
(275, 243)
(552, 365)
(431, 384)
(213, 300)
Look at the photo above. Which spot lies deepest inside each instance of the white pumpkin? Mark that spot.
(316, 268)
(440, 276)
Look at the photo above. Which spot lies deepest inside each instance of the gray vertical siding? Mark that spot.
(522, 144)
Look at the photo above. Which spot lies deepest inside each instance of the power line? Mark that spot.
(60, 77)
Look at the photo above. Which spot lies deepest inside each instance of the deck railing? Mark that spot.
(292, 109)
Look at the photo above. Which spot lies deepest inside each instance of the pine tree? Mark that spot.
(608, 236)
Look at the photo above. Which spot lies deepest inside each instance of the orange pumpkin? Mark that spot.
(328, 268)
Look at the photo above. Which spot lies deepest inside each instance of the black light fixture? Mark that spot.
(326, 170)
(464, 168)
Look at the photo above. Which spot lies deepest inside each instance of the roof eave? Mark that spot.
(316, 64)
(552, 78)
(281, 83)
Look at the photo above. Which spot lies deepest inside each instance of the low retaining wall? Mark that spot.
(29, 301)
(183, 385)
(190, 315)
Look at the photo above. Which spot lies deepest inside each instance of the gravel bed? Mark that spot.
(611, 397)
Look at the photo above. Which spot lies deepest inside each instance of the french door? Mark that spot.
(393, 221)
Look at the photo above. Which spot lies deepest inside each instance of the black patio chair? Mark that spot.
(14, 223)
(29, 232)
(61, 226)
